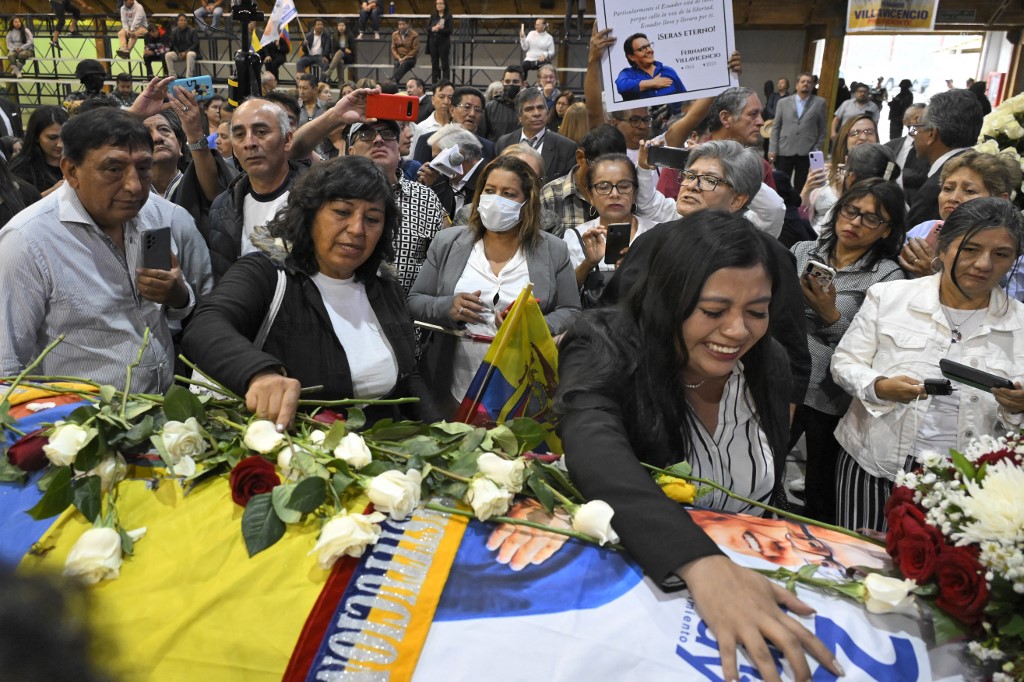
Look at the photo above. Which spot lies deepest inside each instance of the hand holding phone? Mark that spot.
(816, 160)
(820, 274)
(616, 241)
(392, 107)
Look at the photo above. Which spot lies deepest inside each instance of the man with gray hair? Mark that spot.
(558, 152)
(913, 169)
(950, 126)
(454, 189)
(260, 132)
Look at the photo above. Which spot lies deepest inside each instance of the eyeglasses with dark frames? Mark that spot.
(370, 134)
(622, 186)
(868, 220)
(705, 183)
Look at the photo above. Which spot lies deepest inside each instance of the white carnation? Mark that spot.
(995, 504)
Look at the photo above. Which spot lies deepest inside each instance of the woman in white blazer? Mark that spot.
(896, 341)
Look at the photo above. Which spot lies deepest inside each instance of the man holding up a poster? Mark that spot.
(645, 77)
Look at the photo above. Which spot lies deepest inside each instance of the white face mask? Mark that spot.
(497, 213)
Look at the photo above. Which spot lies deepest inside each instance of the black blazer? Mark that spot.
(13, 115)
(914, 171)
(558, 152)
(786, 319)
(327, 44)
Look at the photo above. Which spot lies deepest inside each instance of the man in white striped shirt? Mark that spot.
(71, 265)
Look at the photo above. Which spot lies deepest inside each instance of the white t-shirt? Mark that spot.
(497, 292)
(371, 359)
(257, 213)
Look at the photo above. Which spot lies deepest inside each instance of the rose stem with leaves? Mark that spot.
(132, 366)
(517, 522)
(24, 373)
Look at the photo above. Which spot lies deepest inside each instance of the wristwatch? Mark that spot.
(201, 143)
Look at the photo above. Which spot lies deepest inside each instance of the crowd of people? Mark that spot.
(306, 239)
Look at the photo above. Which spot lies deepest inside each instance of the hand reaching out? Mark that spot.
(520, 546)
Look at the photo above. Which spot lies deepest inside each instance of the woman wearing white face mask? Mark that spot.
(473, 273)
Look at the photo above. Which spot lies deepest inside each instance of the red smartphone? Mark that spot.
(393, 107)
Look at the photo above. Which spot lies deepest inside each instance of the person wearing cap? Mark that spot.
(134, 25)
(90, 73)
(421, 210)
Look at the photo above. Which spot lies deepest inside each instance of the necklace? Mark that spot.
(696, 385)
(955, 326)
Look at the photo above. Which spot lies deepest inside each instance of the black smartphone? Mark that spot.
(972, 377)
(156, 249)
(616, 241)
(668, 157)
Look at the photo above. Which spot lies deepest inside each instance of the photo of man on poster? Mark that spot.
(645, 76)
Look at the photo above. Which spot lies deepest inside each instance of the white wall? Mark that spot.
(769, 55)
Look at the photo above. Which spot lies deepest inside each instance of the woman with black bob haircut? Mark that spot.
(39, 161)
(315, 306)
(896, 341)
(683, 369)
(860, 241)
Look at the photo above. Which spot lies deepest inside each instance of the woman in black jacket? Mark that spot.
(39, 161)
(341, 323)
(439, 42)
(683, 370)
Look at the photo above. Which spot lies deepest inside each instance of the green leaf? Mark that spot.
(158, 442)
(561, 479)
(136, 434)
(946, 627)
(82, 414)
(308, 495)
(464, 464)
(134, 408)
(807, 571)
(423, 447)
(503, 439)
(49, 474)
(127, 544)
(1014, 627)
(107, 393)
(528, 432)
(473, 439)
(540, 489)
(355, 418)
(261, 526)
(88, 495)
(963, 465)
(93, 452)
(180, 404)
(334, 435)
(58, 496)
(681, 469)
(8, 472)
(398, 431)
(340, 481)
(279, 498)
(452, 428)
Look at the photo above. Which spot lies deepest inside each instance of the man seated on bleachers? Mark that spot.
(316, 49)
(156, 47)
(134, 25)
(213, 7)
(184, 47)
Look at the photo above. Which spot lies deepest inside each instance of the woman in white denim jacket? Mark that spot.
(896, 341)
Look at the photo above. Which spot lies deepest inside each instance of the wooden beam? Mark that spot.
(828, 79)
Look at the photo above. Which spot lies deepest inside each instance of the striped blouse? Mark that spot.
(738, 455)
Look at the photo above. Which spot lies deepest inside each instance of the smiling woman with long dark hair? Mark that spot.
(683, 369)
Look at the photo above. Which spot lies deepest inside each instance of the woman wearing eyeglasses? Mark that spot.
(895, 343)
(823, 187)
(473, 273)
(612, 185)
(861, 238)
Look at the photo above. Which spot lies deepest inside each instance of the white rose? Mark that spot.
(183, 439)
(395, 493)
(96, 556)
(317, 437)
(111, 471)
(262, 436)
(889, 595)
(352, 449)
(487, 498)
(346, 535)
(505, 472)
(284, 462)
(65, 442)
(595, 519)
(185, 467)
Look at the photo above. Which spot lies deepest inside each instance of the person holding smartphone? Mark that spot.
(612, 186)
(898, 337)
(861, 238)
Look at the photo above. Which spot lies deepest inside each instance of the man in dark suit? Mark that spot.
(466, 109)
(558, 152)
(316, 49)
(950, 126)
(914, 170)
(801, 123)
(10, 118)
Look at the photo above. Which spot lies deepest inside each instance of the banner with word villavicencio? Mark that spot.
(891, 15)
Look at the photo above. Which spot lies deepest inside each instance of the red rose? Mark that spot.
(991, 458)
(328, 417)
(902, 516)
(252, 476)
(962, 589)
(918, 553)
(27, 452)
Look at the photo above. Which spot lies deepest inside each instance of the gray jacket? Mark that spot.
(796, 136)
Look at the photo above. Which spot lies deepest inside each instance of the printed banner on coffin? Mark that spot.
(666, 51)
(891, 15)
